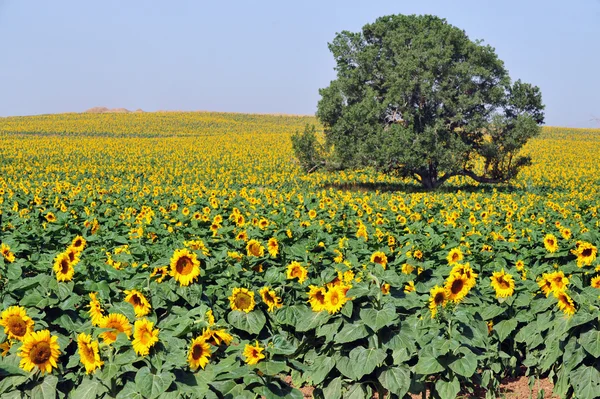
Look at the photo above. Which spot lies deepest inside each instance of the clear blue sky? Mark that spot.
(265, 56)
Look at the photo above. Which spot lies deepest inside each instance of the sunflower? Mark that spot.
(316, 298)
(409, 287)
(418, 254)
(551, 243)
(437, 296)
(334, 299)
(595, 282)
(144, 336)
(585, 252)
(242, 236)
(118, 324)
(78, 244)
(39, 349)
(63, 268)
(199, 353)
(255, 248)
(558, 281)
(253, 353)
(141, 306)
(379, 258)
(466, 271)
(296, 270)
(5, 347)
(96, 312)
(5, 251)
(566, 233)
(242, 299)
(407, 269)
(503, 283)
(16, 323)
(454, 256)
(88, 353)
(385, 288)
(185, 266)
(545, 284)
(457, 287)
(50, 217)
(520, 265)
(273, 247)
(216, 337)
(270, 298)
(565, 303)
(73, 255)
(210, 317)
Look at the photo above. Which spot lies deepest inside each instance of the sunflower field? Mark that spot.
(168, 255)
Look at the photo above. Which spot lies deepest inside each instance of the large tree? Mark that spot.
(415, 96)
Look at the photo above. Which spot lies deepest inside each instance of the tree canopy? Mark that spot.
(415, 96)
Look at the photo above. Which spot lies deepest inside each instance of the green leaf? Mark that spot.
(309, 320)
(586, 382)
(505, 328)
(351, 332)
(396, 380)
(465, 365)
(447, 390)
(252, 322)
(377, 319)
(591, 342)
(282, 345)
(45, 390)
(428, 365)
(334, 389)
(152, 385)
(320, 369)
(88, 389)
(272, 368)
(365, 360)
(356, 391)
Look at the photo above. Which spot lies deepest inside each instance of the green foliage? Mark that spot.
(307, 149)
(415, 96)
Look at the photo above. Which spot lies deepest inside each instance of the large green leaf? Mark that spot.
(586, 382)
(365, 360)
(308, 320)
(88, 389)
(466, 365)
(351, 332)
(428, 365)
(505, 328)
(320, 369)
(46, 389)
(334, 389)
(377, 319)
(252, 322)
(152, 385)
(591, 342)
(447, 389)
(396, 380)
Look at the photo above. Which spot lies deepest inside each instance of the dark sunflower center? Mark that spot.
(551, 243)
(136, 301)
(269, 298)
(17, 326)
(438, 298)
(457, 286)
(586, 253)
(88, 352)
(243, 301)
(197, 351)
(254, 249)
(454, 257)
(71, 256)
(145, 336)
(184, 265)
(40, 353)
(503, 283)
(296, 272)
(335, 299)
(320, 297)
(64, 266)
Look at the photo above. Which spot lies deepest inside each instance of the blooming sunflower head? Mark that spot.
(296, 270)
(217, 337)
(558, 281)
(379, 258)
(454, 256)
(242, 299)
(199, 353)
(316, 298)
(437, 297)
(457, 287)
(503, 283)
(255, 248)
(63, 268)
(545, 284)
(185, 266)
(16, 323)
(88, 353)
(595, 282)
(586, 253)
(335, 298)
(140, 304)
(270, 298)
(78, 244)
(39, 349)
(6, 253)
(253, 353)
(551, 243)
(144, 336)
(273, 247)
(565, 303)
(117, 323)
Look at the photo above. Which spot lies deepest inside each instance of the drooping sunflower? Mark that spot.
(316, 298)
(242, 299)
(558, 281)
(78, 244)
(63, 268)
(335, 298)
(585, 252)
(270, 298)
(141, 306)
(273, 247)
(145, 336)
(6, 253)
(565, 303)
(437, 296)
(16, 323)
(255, 248)
(217, 337)
(199, 353)
(96, 312)
(595, 282)
(118, 323)
(39, 349)
(88, 353)
(379, 258)
(454, 256)
(185, 266)
(551, 243)
(503, 283)
(253, 353)
(296, 270)
(457, 287)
